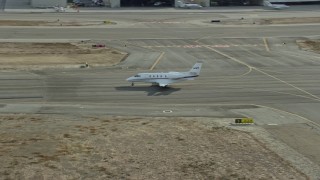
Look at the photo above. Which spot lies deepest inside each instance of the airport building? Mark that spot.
(153, 3)
(48, 3)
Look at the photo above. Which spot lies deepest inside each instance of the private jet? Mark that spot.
(163, 79)
(189, 5)
(275, 6)
(59, 9)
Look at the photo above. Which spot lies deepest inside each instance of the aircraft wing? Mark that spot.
(283, 6)
(280, 6)
(164, 82)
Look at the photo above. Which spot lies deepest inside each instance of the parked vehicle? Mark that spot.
(160, 3)
(98, 3)
(78, 3)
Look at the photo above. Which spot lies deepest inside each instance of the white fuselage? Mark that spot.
(188, 5)
(153, 77)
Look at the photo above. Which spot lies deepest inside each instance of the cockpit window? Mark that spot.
(137, 75)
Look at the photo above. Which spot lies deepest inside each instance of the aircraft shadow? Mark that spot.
(151, 90)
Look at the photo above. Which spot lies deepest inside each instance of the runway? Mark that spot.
(248, 71)
(156, 33)
(236, 71)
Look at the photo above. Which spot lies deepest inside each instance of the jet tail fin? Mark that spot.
(195, 70)
(180, 4)
(267, 3)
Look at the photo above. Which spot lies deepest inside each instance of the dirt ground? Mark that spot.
(111, 147)
(294, 20)
(269, 21)
(53, 23)
(46, 55)
(309, 45)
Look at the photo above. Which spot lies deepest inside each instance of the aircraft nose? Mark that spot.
(129, 79)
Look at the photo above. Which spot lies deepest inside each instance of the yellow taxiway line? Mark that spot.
(265, 41)
(157, 61)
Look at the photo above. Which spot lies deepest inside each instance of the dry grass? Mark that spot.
(46, 55)
(53, 23)
(133, 148)
(309, 45)
(294, 20)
